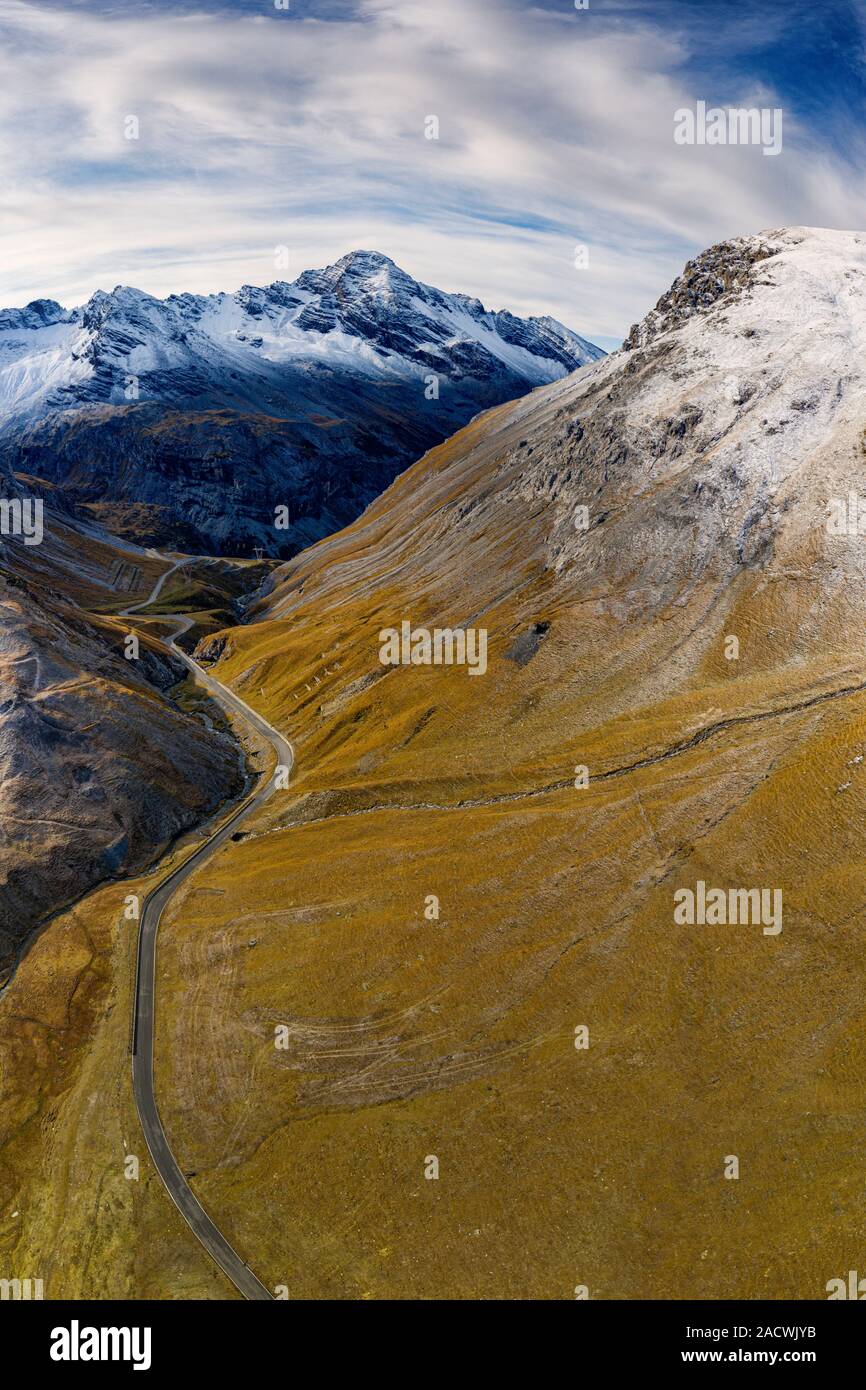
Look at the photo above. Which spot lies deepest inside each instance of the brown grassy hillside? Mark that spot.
(607, 648)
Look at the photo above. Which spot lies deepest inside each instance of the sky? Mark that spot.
(555, 185)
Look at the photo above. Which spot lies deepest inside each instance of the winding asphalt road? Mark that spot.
(145, 981)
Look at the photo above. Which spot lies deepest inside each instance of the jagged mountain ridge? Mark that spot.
(211, 410)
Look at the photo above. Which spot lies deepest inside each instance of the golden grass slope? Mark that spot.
(410, 1038)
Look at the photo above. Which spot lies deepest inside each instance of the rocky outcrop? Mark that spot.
(722, 271)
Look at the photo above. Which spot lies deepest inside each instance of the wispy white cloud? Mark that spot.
(259, 129)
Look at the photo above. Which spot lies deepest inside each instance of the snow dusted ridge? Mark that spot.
(717, 439)
(362, 317)
(718, 273)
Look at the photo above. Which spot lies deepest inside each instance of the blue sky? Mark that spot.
(304, 128)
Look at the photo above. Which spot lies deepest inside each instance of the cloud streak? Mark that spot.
(260, 128)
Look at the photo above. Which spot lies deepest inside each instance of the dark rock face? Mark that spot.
(211, 480)
(197, 417)
(212, 648)
(526, 644)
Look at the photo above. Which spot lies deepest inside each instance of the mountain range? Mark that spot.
(188, 421)
(460, 911)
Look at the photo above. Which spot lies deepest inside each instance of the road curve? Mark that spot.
(166, 1164)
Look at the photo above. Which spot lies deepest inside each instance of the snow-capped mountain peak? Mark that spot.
(40, 313)
(362, 314)
(210, 408)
